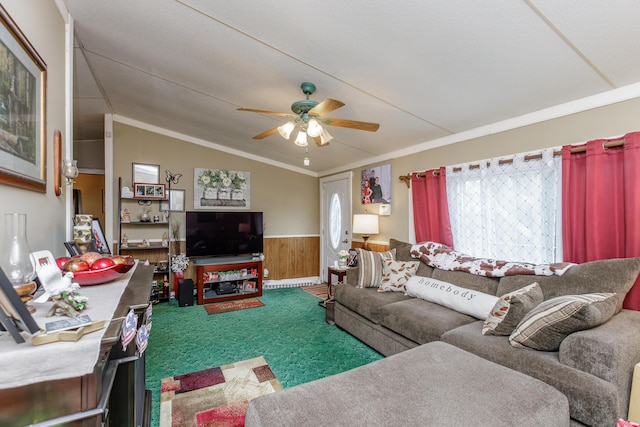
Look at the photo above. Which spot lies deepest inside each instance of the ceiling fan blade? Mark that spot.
(352, 124)
(253, 110)
(326, 106)
(318, 141)
(266, 133)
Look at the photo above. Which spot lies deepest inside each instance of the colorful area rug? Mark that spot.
(226, 306)
(319, 291)
(215, 397)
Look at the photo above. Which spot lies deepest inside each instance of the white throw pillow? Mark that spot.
(462, 300)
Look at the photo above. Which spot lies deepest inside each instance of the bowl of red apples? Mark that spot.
(92, 268)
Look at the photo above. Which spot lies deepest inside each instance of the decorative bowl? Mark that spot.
(98, 277)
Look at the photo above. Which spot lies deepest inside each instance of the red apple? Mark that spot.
(102, 263)
(76, 265)
(90, 257)
(60, 262)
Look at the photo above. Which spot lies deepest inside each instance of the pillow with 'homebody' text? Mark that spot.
(462, 300)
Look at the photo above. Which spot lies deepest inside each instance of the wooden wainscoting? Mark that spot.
(372, 246)
(291, 257)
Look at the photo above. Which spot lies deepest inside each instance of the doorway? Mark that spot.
(88, 195)
(335, 218)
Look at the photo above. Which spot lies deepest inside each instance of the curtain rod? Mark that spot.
(581, 149)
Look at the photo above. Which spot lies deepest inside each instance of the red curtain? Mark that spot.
(430, 208)
(601, 204)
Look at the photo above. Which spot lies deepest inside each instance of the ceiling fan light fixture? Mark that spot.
(325, 137)
(286, 129)
(313, 128)
(301, 140)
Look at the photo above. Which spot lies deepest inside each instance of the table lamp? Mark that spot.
(365, 224)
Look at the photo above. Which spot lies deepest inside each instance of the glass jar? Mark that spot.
(15, 256)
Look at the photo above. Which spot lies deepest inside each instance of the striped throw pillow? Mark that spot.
(370, 264)
(551, 321)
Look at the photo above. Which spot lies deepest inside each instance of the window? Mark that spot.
(335, 220)
(507, 209)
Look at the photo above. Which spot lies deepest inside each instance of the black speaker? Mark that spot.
(185, 291)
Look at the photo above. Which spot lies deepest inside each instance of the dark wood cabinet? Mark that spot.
(114, 394)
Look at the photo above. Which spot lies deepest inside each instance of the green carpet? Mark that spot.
(289, 331)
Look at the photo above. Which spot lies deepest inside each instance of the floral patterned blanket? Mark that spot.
(443, 257)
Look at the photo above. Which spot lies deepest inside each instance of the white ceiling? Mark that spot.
(423, 69)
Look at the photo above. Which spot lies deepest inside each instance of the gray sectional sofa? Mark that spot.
(593, 368)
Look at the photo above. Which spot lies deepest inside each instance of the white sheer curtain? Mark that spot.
(507, 210)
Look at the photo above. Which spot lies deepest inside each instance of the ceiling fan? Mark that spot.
(308, 117)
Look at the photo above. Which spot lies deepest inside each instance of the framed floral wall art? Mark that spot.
(23, 76)
(221, 189)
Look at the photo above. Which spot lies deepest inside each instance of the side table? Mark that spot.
(340, 272)
(331, 271)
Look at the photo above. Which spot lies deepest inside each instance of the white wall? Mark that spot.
(44, 27)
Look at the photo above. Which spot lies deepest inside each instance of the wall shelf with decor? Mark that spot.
(151, 235)
(227, 279)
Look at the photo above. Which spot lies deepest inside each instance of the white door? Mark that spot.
(335, 217)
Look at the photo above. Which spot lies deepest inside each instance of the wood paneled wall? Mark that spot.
(291, 257)
(372, 246)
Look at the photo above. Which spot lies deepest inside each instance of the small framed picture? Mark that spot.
(14, 315)
(143, 190)
(72, 248)
(145, 173)
(249, 286)
(175, 202)
(101, 245)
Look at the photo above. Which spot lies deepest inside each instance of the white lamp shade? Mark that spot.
(365, 224)
(286, 129)
(301, 140)
(313, 128)
(325, 137)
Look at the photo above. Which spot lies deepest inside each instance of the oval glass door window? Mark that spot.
(335, 221)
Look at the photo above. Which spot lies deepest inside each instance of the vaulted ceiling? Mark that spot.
(425, 70)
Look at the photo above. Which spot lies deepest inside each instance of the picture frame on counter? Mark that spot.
(14, 315)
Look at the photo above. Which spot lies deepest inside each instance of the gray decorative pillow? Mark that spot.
(510, 309)
(370, 265)
(544, 327)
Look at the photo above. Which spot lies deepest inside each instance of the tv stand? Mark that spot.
(222, 260)
(227, 278)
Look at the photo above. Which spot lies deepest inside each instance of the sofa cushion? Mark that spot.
(610, 275)
(421, 321)
(403, 253)
(604, 351)
(366, 301)
(462, 300)
(544, 327)
(395, 275)
(370, 265)
(510, 309)
(592, 400)
(431, 385)
(487, 285)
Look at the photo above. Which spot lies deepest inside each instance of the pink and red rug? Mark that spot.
(215, 397)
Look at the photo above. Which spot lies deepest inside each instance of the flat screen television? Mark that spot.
(211, 234)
